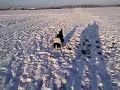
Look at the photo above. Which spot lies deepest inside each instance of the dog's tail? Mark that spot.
(61, 35)
(61, 31)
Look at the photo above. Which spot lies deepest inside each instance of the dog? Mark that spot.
(58, 40)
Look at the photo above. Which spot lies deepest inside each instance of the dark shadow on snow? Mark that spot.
(69, 35)
(88, 54)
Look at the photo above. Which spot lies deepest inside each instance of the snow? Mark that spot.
(90, 56)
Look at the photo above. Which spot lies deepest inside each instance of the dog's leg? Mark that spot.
(59, 46)
(55, 46)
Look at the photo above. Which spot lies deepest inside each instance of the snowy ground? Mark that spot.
(90, 57)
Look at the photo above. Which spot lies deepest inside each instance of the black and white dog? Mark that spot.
(58, 40)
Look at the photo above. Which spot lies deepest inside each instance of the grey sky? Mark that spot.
(41, 3)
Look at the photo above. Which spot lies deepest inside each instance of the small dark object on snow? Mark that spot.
(97, 46)
(88, 45)
(97, 41)
(69, 48)
(87, 40)
(83, 52)
(113, 44)
(83, 43)
(100, 53)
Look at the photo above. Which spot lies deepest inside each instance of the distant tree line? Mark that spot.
(62, 7)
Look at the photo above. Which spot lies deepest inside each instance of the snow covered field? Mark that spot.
(90, 56)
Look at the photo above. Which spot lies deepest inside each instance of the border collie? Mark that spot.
(58, 40)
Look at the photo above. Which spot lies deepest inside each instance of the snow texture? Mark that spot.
(90, 55)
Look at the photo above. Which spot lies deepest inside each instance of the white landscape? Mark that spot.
(90, 57)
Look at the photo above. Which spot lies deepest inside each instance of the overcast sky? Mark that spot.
(45, 3)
